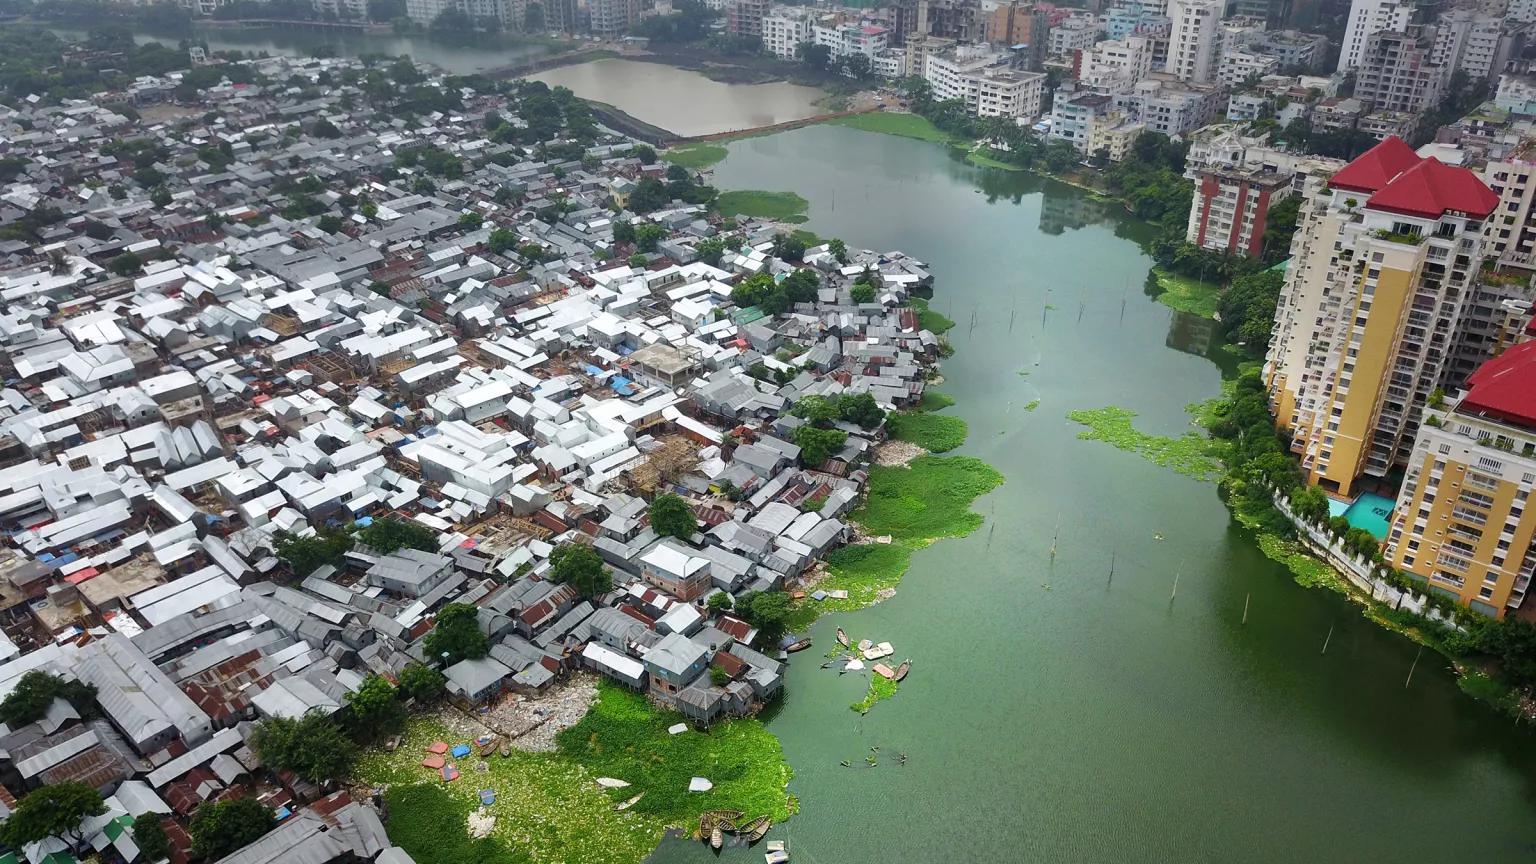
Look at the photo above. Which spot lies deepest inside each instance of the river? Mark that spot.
(1055, 713)
(682, 101)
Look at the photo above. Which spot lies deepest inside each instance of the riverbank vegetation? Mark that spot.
(880, 688)
(695, 157)
(548, 806)
(625, 737)
(1184, 294)
(928, 500)
(778, 206)
(1191, 454)
(936, 433)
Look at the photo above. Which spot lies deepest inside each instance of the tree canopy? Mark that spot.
(422, 683)
(457, 635)
(219, 828)
(312, 746)
(579, 565)
(36, 690)
(53, 811)
(672, 517)
(307, 554)
(389, 535)
(149, 835)
(374, 710)
(768, 611)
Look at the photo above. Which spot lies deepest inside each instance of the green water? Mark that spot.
(1054, 713)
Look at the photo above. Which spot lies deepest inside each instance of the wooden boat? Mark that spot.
(903, 669)
(625, 805)
(716, 838)
(727, 815)
(884, 671)
(488, 747)
(799, 646)
(756, 829)
(865, 645)
(842, 638)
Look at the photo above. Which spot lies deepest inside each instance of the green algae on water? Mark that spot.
(1191, 454)
(880, 688)
(936, 433)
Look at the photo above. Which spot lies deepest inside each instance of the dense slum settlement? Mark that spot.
(238, 314)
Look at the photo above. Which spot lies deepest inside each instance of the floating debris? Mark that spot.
(700, 784)
(611, 783)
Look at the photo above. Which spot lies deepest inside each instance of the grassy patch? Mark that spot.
(1032, 405)
(934, 400)
(1188, 295)
(895, 123)
(760, 204)
(548, 808)
(936, 433)
(809, 238)
(927, 319)
(982, 159)
(867, 571)
(623, 736)
(928, 500)
(420, 820)
(1191, 454)
(695, 156)
(880, 687)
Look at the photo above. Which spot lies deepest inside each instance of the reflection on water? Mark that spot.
(682, 101)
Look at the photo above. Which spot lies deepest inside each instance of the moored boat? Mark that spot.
(756, 829)
(842, 638)
(625, 805)
(716, 838)
(799, 646)
(903, 669)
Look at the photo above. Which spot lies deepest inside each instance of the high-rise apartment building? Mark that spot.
(1398, 76)
(1383, 265)
(1463, 523)
(1115, 65)
(610, 18)
(785, 30)
(1473, 43)
(985, 81)
(1194, 44)
(1365, 18)
(745, 18)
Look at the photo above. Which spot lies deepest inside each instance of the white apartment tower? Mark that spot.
(1365, 18)
(1194, 45)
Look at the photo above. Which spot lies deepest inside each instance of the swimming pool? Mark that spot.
(1371, 512)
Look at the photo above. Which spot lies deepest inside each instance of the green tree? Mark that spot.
(638, 260)
(768, 611)
(817, 445)
(53, 811)
(28, 702)
(649, 194)
(330, 223)
(471, 221)
(219, 828)
(456, 635)
(501, 240)
(312, 746)
(711, 250)
(860, 408)
(718, 676)
(422, 683)
(862, 292)
(788, 247)
(374, 710)
(307, 554)
(126, 264)
(579, 565)
(388, 535)
(647, 236)
(623, 231)
(644, 152)
(720, 602)
(839, 250)
(672, 517)
(816, 410)
(149, 835)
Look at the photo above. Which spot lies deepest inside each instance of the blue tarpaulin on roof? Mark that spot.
(365, 521)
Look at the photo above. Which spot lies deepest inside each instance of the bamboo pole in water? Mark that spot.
(1246, 598)
(1413, 667)
(1328, 639)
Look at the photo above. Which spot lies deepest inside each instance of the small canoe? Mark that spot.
(611, 783)
(755, 829)
(903, 669)
(777, 856)
(488, 747)
(842, 638)
(728, 815)
(799, 646)
(625, 805)
(716, 838)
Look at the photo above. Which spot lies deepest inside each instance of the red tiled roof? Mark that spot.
(1504, 388)
(1376, 167)
(1432, 188)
